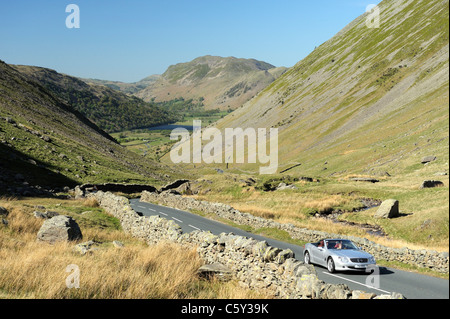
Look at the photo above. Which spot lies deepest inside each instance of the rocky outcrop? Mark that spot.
(431, 184)
(255, 264)
(421, 258)
(59, 228)
(174, 185)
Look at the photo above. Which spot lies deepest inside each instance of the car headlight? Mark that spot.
(344, 259)
(372, 260)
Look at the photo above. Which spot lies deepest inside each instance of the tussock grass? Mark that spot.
(91, 202)
(31, 269)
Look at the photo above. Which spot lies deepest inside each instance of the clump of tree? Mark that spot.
(116, 113)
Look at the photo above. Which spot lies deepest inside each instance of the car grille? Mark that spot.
(359, 260)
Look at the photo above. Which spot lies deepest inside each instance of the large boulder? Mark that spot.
(59, 228)
(388, 209)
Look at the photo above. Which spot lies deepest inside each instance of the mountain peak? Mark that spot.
(221, 82)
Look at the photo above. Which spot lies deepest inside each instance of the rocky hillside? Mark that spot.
(220, 83)
(110, 109)
(45, 143)
(370, 101)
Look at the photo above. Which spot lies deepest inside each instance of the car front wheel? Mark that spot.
(330, 265)
(307, 258)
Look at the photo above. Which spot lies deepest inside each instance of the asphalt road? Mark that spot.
(410, 285)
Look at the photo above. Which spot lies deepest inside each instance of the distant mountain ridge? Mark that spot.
(222, 83)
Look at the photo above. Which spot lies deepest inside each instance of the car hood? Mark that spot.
(350, 253)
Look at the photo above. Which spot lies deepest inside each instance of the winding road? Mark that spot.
(411, 285)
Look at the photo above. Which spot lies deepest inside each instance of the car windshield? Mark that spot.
(340, 244)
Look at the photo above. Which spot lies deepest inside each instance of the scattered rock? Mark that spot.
(431, 184)
(84, 248)
(388, 209)
(283, 186)
(59, 228)
(428, 159)
(10, 120)
(46, 139)
(46, 215)
(441, 174)
(250, 182)
(118, 244)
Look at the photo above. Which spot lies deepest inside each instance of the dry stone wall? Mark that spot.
(421, 258)
(255, 264)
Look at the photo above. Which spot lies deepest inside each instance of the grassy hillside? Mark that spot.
(221, 83)
(44, 142)
(110, 109)
(367, 103)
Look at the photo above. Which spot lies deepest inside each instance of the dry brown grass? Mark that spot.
(91, 202)
(31, 269)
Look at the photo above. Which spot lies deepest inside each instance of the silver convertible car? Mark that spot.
(338, 255)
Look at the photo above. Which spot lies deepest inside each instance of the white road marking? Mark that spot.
(141, 207)
(194, 227)
(177, 219)
(355, 282)
(161, 213)
(152, 210)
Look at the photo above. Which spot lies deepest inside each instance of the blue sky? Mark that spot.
(129, 40)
